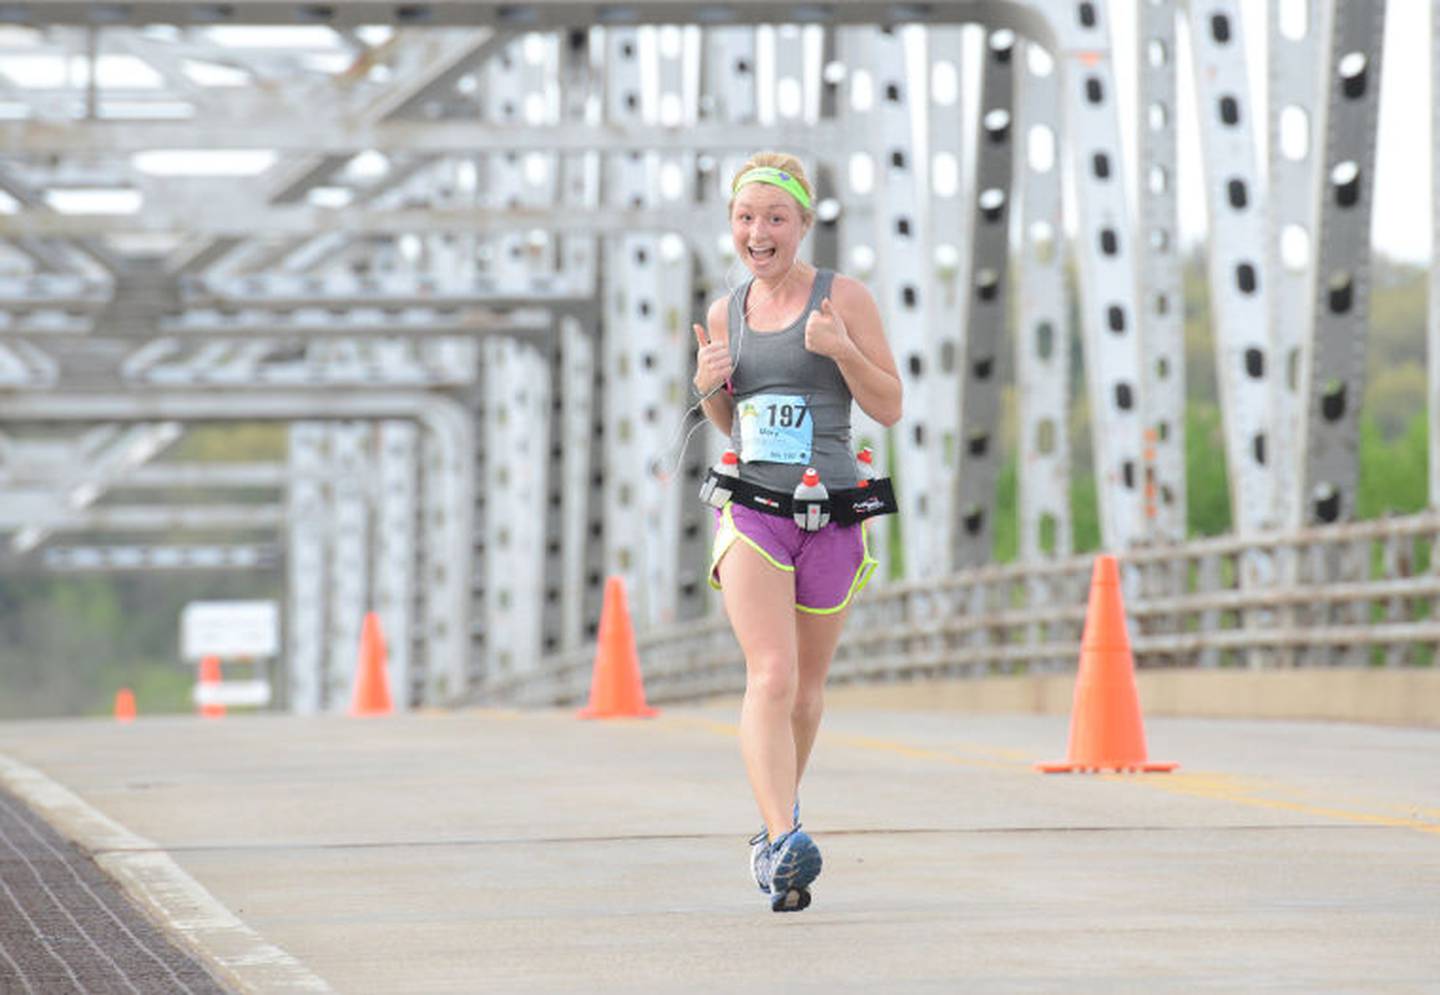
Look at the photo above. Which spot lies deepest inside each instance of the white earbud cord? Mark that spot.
(659, 468)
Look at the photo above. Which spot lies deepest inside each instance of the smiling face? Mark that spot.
(766, 225)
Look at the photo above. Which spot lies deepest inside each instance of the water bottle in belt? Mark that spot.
(714, 492)
(865, 459)
(809, 513)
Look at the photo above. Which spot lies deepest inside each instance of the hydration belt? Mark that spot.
(843, 507)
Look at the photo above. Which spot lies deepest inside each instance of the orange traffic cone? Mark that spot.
(124, 705)
(1106, 732)
(372, 685)
(210, 677)
(616, 690)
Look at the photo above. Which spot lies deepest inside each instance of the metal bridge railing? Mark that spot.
(1357, 594)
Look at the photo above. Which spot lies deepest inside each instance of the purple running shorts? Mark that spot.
(830, 566)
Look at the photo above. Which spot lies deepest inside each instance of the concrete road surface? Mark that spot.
(488, 851)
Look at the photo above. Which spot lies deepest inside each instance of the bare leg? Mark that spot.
(816, 637)
(760, 600)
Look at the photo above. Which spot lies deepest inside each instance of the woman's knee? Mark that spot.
(772, 678)
(809, 703)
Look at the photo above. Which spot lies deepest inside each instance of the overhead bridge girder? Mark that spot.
(398, 291)
(252, 219)
(281, 130)
(359, 324)
(129, 558)
(537, 15)
(72, 292)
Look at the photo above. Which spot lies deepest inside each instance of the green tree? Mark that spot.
(1085, 510)
(1394, 475)
(1007, 512)
(1207, 483)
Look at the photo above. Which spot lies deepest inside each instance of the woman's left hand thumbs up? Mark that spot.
(825, 331)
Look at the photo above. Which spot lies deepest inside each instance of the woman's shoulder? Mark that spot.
(848, 286)
(718, 310)
(717, 317)
(848, 290)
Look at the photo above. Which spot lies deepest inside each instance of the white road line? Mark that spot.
(233, 951)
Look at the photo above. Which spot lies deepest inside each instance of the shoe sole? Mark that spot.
(794, 900)
(790, 880)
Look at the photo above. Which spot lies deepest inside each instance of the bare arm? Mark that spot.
(848, 329)
(713, 368)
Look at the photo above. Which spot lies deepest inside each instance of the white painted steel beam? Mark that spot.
(947, 247)
(363, 323)
(73, 292)
(537, 15)
(306, 567)
(676, 181)
(577, 394)
(69, 486)
(1107, 274)
(170, 557)
(348, 514)
(257, 363)
(163, 475)
(859, 244)
(1043, 331)
(146, 518)
(569, 491)
(392, 290)
(512, 399)
(242, 217)
(1160, 309)
(514, 420)
(1244, 359)
(727, 99)
(397, 519)
(641, 515)
(281, 129)
(1294, 115)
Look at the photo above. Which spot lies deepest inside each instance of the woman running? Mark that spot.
(779, 361)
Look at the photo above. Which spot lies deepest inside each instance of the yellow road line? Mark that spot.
(1215, 786)
(1223, 787)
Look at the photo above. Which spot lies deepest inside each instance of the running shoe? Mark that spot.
(788, 866)
(758, 844)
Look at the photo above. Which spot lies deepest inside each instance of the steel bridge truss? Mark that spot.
(463, 266)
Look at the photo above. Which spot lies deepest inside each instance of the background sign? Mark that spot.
(230, 629)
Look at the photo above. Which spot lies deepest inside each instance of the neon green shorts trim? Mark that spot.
(830, 566)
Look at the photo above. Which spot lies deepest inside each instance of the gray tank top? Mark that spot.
(792, 406)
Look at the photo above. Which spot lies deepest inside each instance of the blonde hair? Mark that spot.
(783, 161)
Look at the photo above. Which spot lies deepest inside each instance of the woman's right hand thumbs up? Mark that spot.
(712, 361)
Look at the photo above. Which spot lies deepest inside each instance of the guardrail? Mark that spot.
(1356, 594)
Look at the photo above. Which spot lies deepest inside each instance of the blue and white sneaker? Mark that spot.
(758, 845)
(788, 866)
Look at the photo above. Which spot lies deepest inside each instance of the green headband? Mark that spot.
(775, 177)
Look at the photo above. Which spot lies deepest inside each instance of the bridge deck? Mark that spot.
(495, 851)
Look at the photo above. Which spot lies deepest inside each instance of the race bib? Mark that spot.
(776, 428)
